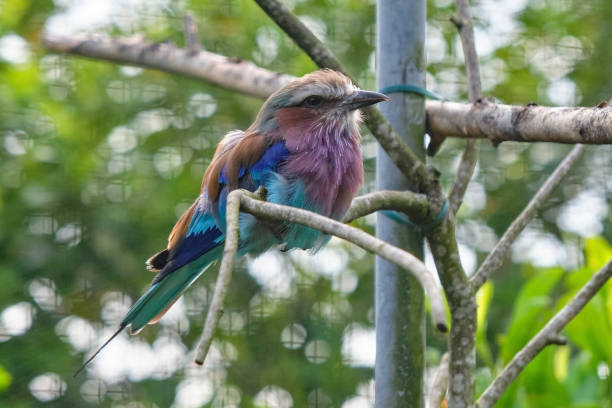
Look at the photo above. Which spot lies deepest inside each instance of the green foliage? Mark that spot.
(97, 161)
(576, 375)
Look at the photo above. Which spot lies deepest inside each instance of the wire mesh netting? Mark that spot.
(98, 160)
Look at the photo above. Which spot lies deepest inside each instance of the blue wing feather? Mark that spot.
(269, 160)
(201, 244)
(205, 230)
(202, 235)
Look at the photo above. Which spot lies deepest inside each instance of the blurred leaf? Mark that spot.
(5, 379)
(597, 253)
(561, 364)
(483, 300)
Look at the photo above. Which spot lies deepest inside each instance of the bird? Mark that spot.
(303, 148)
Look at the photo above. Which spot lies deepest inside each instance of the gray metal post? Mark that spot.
(400, 310)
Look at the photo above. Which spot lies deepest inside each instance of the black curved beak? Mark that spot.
(363, 98)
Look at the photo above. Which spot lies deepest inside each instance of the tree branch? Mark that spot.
(496, 122)
(467, 164)
(397, 150)
(548, 335)
(232, 73)
(301, 35)
(461, 301)
(225, 275)
(500, 123)
(439, 385)
(412, 204)
(265, 210)
(466, 33)
(496, 257)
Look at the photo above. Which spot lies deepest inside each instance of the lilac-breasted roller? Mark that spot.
(303, 148)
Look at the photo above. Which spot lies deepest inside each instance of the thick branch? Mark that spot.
(531, 123)
(232, 73)
(412, 204)
(486, 120)
(225, 275)
(265, 210)
(548, 335)
(496, 257)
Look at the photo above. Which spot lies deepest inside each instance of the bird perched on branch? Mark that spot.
(303, 148)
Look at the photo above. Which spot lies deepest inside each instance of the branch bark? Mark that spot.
(496, 257)
(270, 211)
(501, 123)
(486, 120)
(548, 335)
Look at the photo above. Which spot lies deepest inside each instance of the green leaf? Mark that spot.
(531, 311)
(597, 252)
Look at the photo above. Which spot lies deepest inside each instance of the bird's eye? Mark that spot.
(313, 101)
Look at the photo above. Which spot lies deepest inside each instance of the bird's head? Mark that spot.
(323, 98)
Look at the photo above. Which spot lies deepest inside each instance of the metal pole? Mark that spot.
(400, 308)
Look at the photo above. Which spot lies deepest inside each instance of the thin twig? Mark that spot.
(407, 261)
(548, 335)
(399, 152)
(465, 170)
(192, 39)
(466, 33)
(496, 257)
(557, 340)
(225, 275)
(416, 206)
(301, 35)
(439, 385)
(469, 157)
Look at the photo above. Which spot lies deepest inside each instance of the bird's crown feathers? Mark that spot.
(323, 90)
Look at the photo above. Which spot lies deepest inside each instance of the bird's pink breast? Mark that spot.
(326, 158)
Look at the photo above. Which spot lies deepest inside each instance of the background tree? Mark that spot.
(95, 154)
